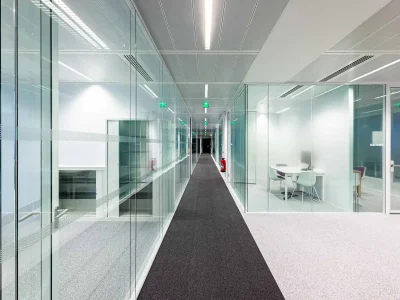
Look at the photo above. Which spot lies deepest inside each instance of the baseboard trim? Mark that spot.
(231, 190)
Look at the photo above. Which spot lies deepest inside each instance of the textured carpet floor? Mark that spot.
(208, 251)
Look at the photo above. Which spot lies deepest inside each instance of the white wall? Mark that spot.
(290, 133)
(322, 125)
(333, 144)
(85, 108)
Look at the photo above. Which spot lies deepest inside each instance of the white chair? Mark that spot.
(307, 179)
(273, 176)
(356, 183)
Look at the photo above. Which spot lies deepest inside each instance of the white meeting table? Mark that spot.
(291, 172)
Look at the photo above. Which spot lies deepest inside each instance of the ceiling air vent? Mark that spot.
(348, 67)
(132, 60)
(297, 87)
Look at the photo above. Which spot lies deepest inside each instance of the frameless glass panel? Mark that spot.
(149, 110)
(257, 149)
(290, 146)
(92, 241)
(369, 147)
(395, 151)
(238, 125)
(7, 118)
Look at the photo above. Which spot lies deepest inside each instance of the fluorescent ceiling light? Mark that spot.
(78, 21)
(385, 95)
(358, 100)
(205, 119)
(377, 70)
(180, 119)
(149, 90)
(75, 71)
(65, 19)
(170, 110)
(208, 21)
(335, 88)
(206, 91)
(205, 110)
(283, 110)
(367, 112)
(310, 87)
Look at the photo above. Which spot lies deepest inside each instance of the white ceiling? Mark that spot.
(239, 30)
(300, 41)
(377, 34)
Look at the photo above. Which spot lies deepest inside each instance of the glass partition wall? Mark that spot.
(308, 148)
(95, 150)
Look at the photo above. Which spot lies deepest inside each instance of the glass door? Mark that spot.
(395, 150)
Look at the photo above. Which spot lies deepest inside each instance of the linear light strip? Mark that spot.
(367, 112)
(303, 91)
(70, 23)
(283, 110)
(150, 91)
(385, 95)
(74, 17)
(206, 90)
(377, 70)
(75, 71)
(171, 110)
(208, 22)
(146, 90)
(335, 88)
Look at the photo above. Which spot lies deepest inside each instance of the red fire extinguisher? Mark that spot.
(223, 165)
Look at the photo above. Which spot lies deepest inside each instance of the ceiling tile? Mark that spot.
(151, 13)
(265, 18)
(237, 17)
(323, 67)
(373, 24)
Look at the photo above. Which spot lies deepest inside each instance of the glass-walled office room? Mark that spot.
(311, 148)
(95, 150)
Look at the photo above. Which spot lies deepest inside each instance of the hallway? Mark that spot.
(208, 251)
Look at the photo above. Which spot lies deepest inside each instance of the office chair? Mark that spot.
(362, 170)
(273, 175)
(356, 183)
(283, 176)
(307, 179)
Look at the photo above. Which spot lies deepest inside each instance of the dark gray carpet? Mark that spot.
(208, 251)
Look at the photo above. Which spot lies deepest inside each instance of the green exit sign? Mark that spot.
(183, 122)
(205, 123)
(163, 105)
(206, 104)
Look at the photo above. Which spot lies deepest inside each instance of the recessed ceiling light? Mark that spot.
(335, 88)
(283, 110)
(65, 19)
(367, 112)
(75, 71)
(385, 95)
(78, 21)
(303, 91)
(377, 70)
(208, 21)
(149, 91)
